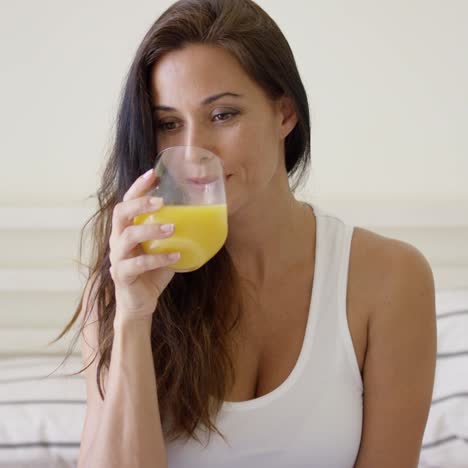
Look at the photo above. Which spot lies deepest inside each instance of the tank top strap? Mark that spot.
(336, 241)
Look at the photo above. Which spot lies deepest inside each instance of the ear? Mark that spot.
(288, 116)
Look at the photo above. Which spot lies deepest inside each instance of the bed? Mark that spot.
(445, 443)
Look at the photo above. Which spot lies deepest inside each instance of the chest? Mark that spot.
(273, 329)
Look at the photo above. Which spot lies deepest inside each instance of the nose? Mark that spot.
(199, 153)
(201, 163)
(195, 154)
(198, 136)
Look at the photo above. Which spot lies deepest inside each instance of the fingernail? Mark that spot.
(166, 227)
(155, 201)
(173, 256)
(147, 174)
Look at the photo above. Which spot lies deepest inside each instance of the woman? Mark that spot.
(303, 342)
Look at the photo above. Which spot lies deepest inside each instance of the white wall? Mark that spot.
(387, 83)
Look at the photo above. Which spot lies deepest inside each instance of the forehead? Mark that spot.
(198, 71)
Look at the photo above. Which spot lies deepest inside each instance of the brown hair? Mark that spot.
(198, 310)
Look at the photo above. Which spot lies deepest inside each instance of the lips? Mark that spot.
(205, 180)
(201, 180)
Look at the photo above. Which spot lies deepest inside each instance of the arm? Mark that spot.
(124, 430)
(400, 362)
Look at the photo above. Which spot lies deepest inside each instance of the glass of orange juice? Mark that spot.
(190, 180)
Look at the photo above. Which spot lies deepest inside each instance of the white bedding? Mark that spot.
(445, 443)
(41, 418)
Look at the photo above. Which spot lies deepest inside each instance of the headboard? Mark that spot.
(40, 281)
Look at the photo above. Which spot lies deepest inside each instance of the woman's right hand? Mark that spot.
(139, 278)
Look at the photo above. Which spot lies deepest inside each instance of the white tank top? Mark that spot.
(314, 418)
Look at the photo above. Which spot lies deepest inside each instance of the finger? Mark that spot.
(140, 186)
(124, 212)
(127, 271)
(134, 235)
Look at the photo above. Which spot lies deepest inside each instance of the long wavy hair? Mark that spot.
(196, 313)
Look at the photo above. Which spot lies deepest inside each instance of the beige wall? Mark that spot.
(387, 83)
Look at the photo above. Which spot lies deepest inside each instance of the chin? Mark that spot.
(233, 204)
(232, 207)
(237, 203)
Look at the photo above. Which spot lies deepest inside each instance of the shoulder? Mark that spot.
(398, 283)
(389, 282)
(391, 268)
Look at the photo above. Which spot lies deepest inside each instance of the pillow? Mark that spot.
(41, 416)
(445, 442)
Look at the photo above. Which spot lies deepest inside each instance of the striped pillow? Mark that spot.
(41, 417)
(445, 442)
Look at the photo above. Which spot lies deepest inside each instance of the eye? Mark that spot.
(222, 116)
(166, 126)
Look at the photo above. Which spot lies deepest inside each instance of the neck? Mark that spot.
(271, 235)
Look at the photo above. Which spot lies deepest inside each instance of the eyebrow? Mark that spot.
(205, 101)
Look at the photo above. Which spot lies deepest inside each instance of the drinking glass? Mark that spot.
(190, 180)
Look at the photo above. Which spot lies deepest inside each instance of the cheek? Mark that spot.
(251, 152)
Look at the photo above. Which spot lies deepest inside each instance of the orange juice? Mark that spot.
(199, 233)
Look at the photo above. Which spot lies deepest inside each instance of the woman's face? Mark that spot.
(203, 97)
